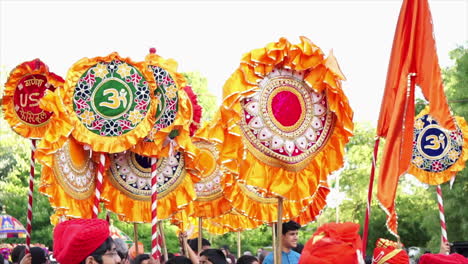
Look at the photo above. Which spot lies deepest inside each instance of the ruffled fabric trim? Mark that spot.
(60, 129)
(435, 178)
(324, 75)
(260, 207)
(31, 67)
(132, 210)
(63, 204)
(99, 143)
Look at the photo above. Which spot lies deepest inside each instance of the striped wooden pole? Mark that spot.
(98, 189)
(30, 196)
(442, 214)
(155, 240)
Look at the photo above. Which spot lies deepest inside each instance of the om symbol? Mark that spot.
(115, 99)
(435, 142)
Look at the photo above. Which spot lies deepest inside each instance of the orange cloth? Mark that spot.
(132, 252)
(333, 243)
(413, 52)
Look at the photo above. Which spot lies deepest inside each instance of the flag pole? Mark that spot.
(369, 196)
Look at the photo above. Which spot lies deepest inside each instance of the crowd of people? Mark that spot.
(88, 241)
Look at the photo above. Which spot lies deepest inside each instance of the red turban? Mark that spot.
(76, 239)
(387, 252)
(443, 259)
(333, 243)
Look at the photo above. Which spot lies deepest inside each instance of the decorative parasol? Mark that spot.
(26, 85)
(438, 153)
(289, 118)
(10, 226)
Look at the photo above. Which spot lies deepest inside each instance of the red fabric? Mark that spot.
(339, 245)
(286, 108)
(400, 258)
(443, 259)
(196, 110)
(76, 239)
(413, 52)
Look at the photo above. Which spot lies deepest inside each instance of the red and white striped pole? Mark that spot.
(442, 214)
(155, 241)
(97, 193)
(30, 196)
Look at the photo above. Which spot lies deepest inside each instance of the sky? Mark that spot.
(211, 36)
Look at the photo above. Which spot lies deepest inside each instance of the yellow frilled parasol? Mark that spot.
(438, 154)
(68, 179)
(105, 105)
(287, 120)
(26, 85)
(128, 188)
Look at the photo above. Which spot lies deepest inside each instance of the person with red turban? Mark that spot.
(443, 259)
(84, 241)
(334, 243)
(389, 252)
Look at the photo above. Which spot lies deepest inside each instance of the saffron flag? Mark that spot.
(413, 62)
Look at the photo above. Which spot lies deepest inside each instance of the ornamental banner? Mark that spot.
(438, 153)
(25, 86)
(109, 101)
(69, 180)
(173, 114)
(287, 119)
(127, 187)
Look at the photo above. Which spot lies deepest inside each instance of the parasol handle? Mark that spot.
(97, 193)
(30, 196)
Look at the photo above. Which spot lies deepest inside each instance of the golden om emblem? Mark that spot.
(115, 99)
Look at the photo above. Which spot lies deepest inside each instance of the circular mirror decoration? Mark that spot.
(435, 149)
(285, 123)
(131, 174)
(25, 86)
(209, 187)
(166, 98)
(74, 170)
(111, 98)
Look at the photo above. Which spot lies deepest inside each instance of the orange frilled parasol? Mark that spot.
(128, 189)
(287, 120)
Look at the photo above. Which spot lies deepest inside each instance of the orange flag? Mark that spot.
(413, 52)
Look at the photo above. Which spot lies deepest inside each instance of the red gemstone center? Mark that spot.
(286, 108)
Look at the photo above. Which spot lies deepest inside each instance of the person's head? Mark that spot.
(290, 234)
(132, 251)
(142, 259)
(226, 248)
(122, 248)
(263, 255)
(212, 256)
(38, 256)
(334, 243)
(17, 253)
(246, 259)
(179, 260)
(193, 244)
(84, 241)
(390, 251)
